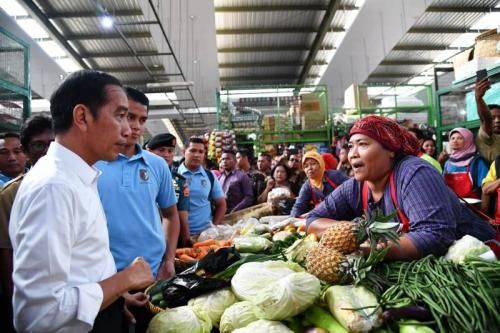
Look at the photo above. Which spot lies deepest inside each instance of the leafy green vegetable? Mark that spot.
(236, 316)
(214, 304)
(180, 320)
(264, 326)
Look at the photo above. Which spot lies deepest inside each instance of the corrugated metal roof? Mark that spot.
(260, 71)
(92, 25)
(241, 3)
(65, 6)
(281, 19)
(440, 26)
(264, 40)
(258, 57)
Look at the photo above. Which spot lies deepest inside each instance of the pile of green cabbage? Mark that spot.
(236, 316)
(180, 320)
(214, 304)
(279, 290)
(264, 326)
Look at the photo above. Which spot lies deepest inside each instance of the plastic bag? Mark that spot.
(180, 289)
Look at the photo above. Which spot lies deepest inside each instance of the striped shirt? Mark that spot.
(436, 216)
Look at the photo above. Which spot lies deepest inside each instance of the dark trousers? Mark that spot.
(110, 319)
(142, 316)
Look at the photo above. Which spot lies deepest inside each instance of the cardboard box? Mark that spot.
(312, 120)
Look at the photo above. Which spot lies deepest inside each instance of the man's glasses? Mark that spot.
(294, 160)
(39, 145)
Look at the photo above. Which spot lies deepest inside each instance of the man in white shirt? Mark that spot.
(64, 274)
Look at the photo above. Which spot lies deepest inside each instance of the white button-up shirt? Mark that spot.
(61, 246)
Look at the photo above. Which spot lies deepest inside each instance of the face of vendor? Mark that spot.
(311, 168)
(457, 141)
(429, 147)
(495, 114)
(370, 161)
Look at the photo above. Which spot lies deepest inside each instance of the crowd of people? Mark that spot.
(90, 217)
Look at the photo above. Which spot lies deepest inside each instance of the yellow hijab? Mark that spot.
(317, 181)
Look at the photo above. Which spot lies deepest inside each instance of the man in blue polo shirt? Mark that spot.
(202, 194)
(132, 189)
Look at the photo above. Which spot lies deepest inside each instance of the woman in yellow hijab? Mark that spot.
(320, 183)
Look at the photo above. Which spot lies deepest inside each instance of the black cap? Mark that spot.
(162, 140)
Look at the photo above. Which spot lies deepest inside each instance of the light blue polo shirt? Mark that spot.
(200, 210)
(131, 191)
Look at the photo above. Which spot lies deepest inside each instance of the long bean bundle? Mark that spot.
(461, 297)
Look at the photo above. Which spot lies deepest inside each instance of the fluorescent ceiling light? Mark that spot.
(172, 96)
(52, 49)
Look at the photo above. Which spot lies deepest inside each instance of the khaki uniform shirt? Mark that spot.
(488, 146)
(7, 196)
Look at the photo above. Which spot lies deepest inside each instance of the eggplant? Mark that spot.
(416, 312)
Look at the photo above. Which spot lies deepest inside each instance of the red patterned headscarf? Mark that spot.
(388, 133)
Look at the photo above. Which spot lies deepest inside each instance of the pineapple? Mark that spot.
(331, 262)
(324, 263)
(345, 237)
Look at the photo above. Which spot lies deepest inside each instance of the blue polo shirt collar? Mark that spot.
(182, 169)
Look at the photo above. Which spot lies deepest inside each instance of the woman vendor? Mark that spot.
(465, 169)
(320, 183)
(388, 175)
(278, 184)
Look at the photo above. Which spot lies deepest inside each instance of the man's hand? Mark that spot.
(139, 274)
(481, 88)
(138, 299)
(166, 270)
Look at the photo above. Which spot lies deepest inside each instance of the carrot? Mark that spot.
(204, 243)
(185, 257)
(185, 250)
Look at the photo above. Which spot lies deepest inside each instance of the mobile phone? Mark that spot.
(481, 74)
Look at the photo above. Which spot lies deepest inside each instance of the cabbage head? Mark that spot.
(252, 277)
(180, 320)
(465, 247)
(214, 304)
(264, 326)
(287, 296)
(236, 316)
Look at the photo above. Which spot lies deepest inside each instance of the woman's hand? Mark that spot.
(270, 184)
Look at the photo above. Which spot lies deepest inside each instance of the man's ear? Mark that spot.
(81, 114)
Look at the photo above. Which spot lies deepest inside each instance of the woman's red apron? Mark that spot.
(461, 183)
(401, 215)
(316, 201)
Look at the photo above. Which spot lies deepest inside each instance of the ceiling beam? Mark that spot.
(424, 47)
(261, 64)
(460, 9)
(268, 8)
(283, 48)
(259, 78)
(54, 32)
(320, 36)
(120, 54)
(92, 13)
(443, 30)
(105, 36)
(251, 31)
(405, 62)
(129, 69)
